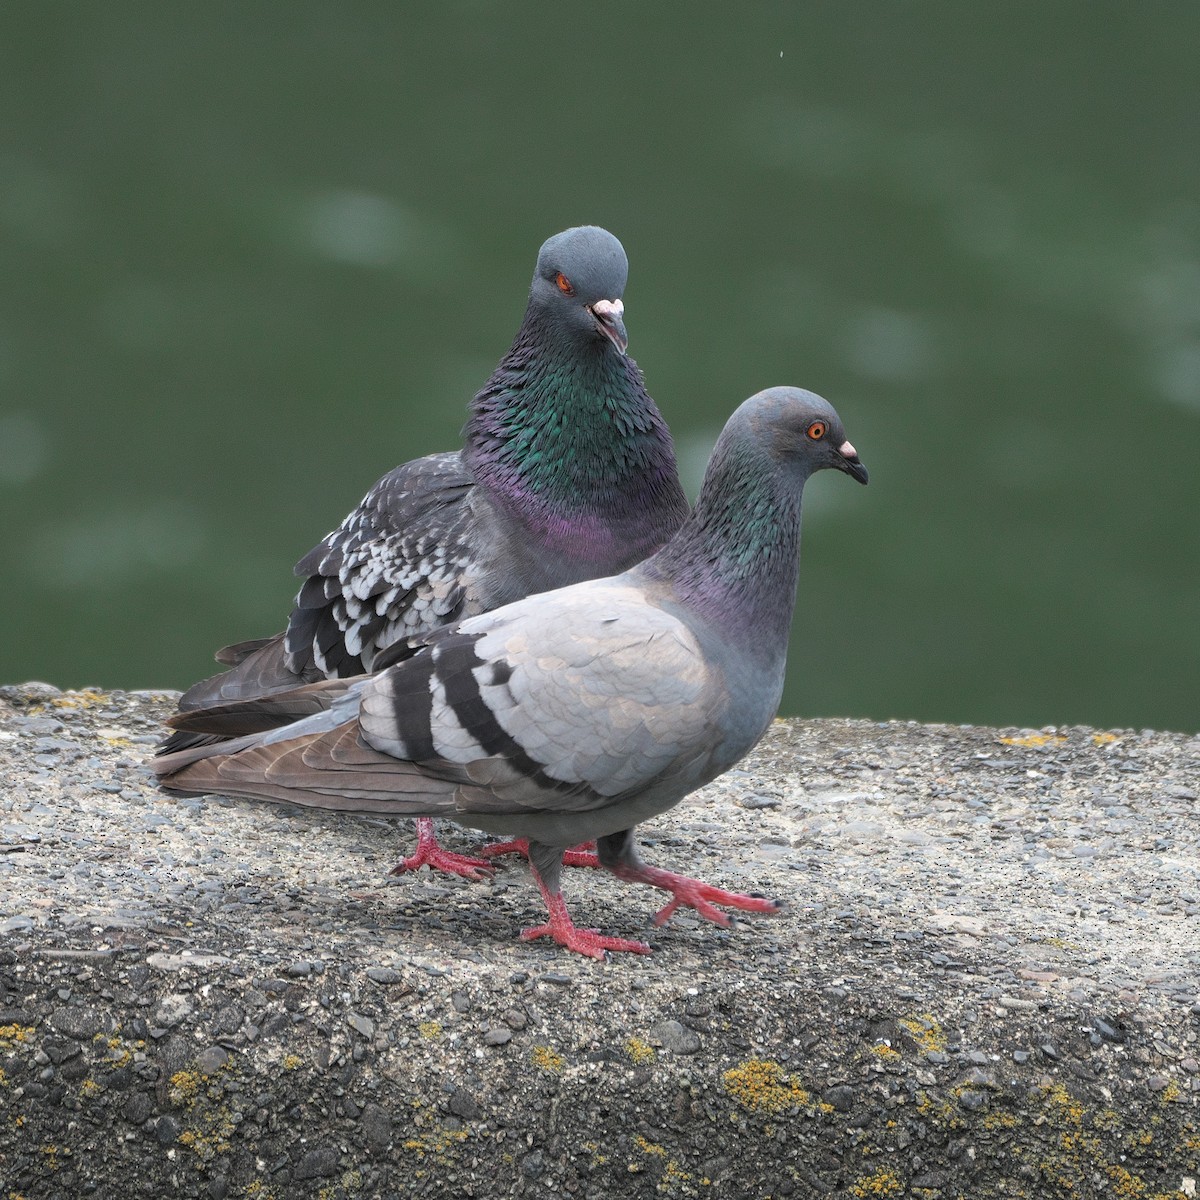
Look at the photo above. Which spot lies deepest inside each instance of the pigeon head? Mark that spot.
(800, 430)
(563, 437)
(736, 558)
(579, 281)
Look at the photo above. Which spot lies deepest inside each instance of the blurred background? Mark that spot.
(252, 256)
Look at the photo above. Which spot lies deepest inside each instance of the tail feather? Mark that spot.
(182, 740)
(330, 769)
(260, 669)
(227, 727)
(260, 713)
(168, 764)
(232, 655)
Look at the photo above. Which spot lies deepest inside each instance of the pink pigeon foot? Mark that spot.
(693, 893)
(429, 853)
(583, 855)
(566, 933)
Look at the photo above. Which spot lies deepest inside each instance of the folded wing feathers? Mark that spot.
(618, 699)
(603, 707)
(374, 580)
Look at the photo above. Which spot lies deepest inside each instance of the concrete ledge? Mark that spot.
(986, 984)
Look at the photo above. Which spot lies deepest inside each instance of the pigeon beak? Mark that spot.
(608, 321)
(850, 463)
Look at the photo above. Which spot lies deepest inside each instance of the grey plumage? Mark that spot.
(458, 533)
(567, 473)
(578, 713)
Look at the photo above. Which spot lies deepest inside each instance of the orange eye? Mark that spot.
(564, 284)
(816, 430)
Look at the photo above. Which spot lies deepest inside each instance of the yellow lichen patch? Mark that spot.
(998, 1120)
(884, 1051)
(593, 1148)
(762, 1087)
(1084, 1146)
(946, 1114)
(673, 1171)
(926, 1031)
(79, 700)
(89, 1087)
(1080, 1143)
(638, 1051)
(1062, 1175)
(1034, 739)
(1067, 1107)
(1104, 739)
(291, 1062)
(648, 1147)
(184, 1086)
(1171, 1092)
(884, 1182)
(258, 1190)
(546, 1059)
(430, 1030)
(1123, 1183)
(350, 1182)
(12, 1036)
(437, 1143)
(1059, 943)
(212, 1138)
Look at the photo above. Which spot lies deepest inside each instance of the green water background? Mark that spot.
(252, 256)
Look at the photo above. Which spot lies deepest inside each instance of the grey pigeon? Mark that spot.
(567, 472)
(577, 713)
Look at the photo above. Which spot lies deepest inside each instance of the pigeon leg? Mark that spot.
(429, 853)
(617, 854)
(544, 862)
(583, 855)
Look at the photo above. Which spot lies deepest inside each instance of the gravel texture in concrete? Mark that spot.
(986, 982)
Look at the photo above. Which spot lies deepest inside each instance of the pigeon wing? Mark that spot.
(562, 702)
(403, 562)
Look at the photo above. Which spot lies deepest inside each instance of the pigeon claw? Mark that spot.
(584, 941)
(429, 854)
(687, 892)
(566, 933)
